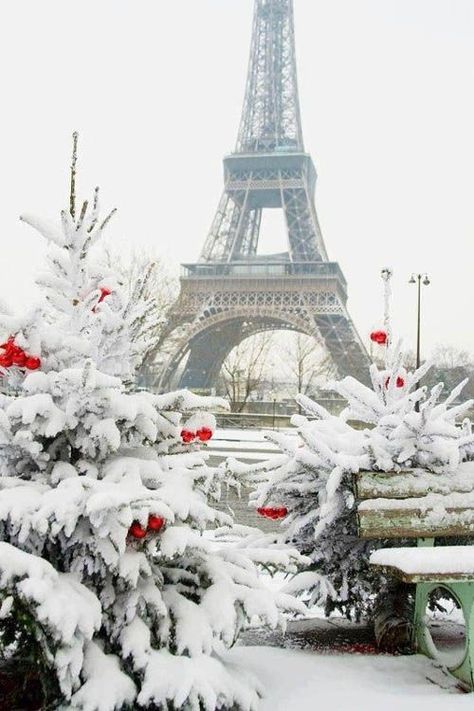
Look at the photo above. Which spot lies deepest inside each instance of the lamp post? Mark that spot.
(419, 280)
(273, 410)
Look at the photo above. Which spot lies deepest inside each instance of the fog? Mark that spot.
(155, 89)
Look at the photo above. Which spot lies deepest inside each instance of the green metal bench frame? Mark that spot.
(463, 593)
(389, 521)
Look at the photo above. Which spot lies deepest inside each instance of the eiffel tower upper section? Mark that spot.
(269, 167)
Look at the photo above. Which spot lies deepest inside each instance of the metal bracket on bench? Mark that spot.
(425, 542)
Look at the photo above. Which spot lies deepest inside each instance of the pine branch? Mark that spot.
(82, 215)
(72, 192)
(95, 210)
(107, 219)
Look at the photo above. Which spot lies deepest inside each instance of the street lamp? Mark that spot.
(419, 279)
(273, 397)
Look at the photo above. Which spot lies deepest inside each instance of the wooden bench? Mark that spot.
(424, 506)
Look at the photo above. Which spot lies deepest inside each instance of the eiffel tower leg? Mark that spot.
(343, 343)
(304, 234)
(221, 236)
(208, 351)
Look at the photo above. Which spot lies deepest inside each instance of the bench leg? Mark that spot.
(464, 592)
(422, 642)
(421, 597)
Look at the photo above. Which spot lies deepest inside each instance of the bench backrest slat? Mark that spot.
(415, 504)
(407, 484)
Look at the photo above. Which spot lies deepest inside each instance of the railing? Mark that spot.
(263, 269)
(252, 420)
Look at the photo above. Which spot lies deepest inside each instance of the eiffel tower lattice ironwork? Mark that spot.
(232, 292)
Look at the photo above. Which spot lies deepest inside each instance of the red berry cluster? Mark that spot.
(379, 337)
(274, 513)
(155, 524)
(14, 355)
(203, 434)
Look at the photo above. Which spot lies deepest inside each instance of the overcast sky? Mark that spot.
(155, 88)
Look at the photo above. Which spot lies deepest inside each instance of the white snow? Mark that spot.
(198, 682)
(443, 560)
(455, 500)
(106, 687)
(67, 613)
(414, 482)
(304, 681)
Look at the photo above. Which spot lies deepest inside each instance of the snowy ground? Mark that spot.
(245, 445)
(317, 666)
(305, 681)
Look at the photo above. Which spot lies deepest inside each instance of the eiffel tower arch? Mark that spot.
(232, 292)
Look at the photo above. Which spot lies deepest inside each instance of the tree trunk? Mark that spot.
(393, 619)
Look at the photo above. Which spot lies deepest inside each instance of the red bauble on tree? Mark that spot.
(155, 523)
(19, 357)
(187, 436)
(10, 343)
(5, 360)
(273, 512)
(104, 291)
(136, 530)
(32, 363)
(15, 355)
(379, 337)
(400, 382)
(204, 434)
(10, 352)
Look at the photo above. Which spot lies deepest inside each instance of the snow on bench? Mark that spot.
(413, 565)
(415, 504)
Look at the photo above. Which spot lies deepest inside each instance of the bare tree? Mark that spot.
(158, 289)
(451, 365)
(450, 357)
(305, 363)
(308, 363)
(243, 369)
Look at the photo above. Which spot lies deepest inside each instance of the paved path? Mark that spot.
(245, 445)
(334, 636)
(249, 446)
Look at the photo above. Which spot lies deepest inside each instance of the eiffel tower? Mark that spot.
(232, 292)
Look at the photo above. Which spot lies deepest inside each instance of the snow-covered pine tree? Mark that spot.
(393, 425)
(106, 577)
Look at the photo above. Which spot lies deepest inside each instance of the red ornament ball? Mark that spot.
(14, 355)
(6, 360)
(155, 523)
(9, 345)
(400, 382)
(274, 513)
(104, 291)
(19, 357)
(187, 436)
(204, 434)
(136, 530)
(379, 337)
(32, 363)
